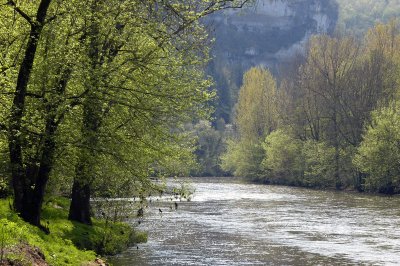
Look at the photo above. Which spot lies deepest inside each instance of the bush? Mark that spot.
(283, 163)
(4, 188)
(319, 161)
(243, 158)
(379, 153)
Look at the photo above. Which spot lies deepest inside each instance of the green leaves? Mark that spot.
(256, 117)
(379, 154)
(257, 105)
(313, 123)
(109, 88)
(283, 161)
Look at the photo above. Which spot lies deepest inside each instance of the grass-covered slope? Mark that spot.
(69, 243)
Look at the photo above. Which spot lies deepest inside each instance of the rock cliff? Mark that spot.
(266, 33)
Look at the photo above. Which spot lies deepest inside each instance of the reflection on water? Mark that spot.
(229, 223)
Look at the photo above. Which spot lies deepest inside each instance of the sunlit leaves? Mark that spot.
(256, 112)
(379, 153)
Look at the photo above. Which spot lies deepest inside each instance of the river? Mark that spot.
(233, 223)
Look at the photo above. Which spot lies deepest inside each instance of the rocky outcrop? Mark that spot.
(266, 33)
(271, 30)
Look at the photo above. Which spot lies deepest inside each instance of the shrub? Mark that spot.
(319, 160)
(283, 163)
(243, 158)
(378, 155)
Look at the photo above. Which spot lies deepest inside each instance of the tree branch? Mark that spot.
(19, 11)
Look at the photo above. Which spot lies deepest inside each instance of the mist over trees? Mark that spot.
(358, 16)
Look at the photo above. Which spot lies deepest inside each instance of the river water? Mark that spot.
(231, 223)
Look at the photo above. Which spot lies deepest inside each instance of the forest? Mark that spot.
(330, 122)
(103, 100)
(94, 98)
(351, 18)
(357, 17)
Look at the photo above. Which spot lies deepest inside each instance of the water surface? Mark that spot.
(231, 223)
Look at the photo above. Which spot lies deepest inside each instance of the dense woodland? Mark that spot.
(352, 18)
(95, 95)
(358, 16)
(331, 122)
(102, 99)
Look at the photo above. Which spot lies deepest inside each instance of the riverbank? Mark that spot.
(68, 243)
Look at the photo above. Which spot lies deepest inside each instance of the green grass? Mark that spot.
(69, 243)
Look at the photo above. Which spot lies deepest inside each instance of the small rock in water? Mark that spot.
(140, 212)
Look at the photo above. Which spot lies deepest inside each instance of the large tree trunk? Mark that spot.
(92, 116)
(23, 193)
(34, 200)
(37, 177)
(84, 174)
(80, 204)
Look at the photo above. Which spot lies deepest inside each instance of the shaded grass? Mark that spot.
(69, 243)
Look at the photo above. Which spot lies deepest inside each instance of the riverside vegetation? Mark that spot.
(264, 39)
(332, 121)
(70, 242)
(94, 96)
(101, 99)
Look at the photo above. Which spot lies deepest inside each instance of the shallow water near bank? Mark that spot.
(228, 222)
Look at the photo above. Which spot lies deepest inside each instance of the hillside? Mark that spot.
(359, 15)
(269, 33)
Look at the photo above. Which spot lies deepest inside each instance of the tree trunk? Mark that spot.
(80, 204)
(39, 176)
(20, 180)
(359, 181)
(338, 182)
(84, 176)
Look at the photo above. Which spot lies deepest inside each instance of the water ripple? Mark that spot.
(244, 224)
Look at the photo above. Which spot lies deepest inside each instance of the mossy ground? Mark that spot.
(69, 243)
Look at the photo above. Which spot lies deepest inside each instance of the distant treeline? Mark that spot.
(358, 16)
(332, 122)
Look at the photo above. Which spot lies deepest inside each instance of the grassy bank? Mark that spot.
(69, 243)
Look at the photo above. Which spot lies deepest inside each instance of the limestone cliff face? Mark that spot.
(272, 30)
(267, 33)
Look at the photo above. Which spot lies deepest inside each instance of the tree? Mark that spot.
(256, 111)
(243, 158)
(64, 82)
(28, 189)
(256, 117)
(318, 168)
(378, 154)
(341, 83)
(162, 80)
(210, 145)
(283, 162)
